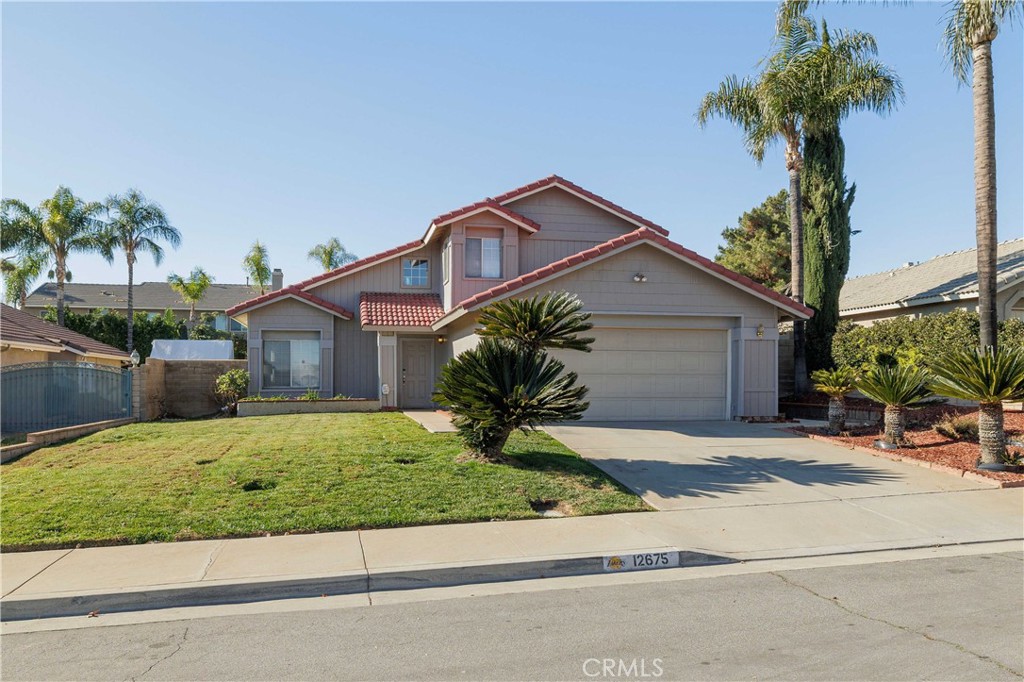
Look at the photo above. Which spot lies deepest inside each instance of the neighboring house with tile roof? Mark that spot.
(940, 285)
(678, 336)
(149, 297)
(26, 338)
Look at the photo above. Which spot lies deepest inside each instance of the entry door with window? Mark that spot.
(417, 372)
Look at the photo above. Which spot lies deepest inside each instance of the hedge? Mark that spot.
(915, 341)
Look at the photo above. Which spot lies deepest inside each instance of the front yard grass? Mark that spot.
(188, 480)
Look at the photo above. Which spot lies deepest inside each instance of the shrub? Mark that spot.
(230, 387)
(916, 342)
(957, 427)
(835, 383)
(898, 388)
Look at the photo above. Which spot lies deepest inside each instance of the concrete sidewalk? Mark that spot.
(138, 577)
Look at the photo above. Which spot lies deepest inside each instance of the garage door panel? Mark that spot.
(653, 374)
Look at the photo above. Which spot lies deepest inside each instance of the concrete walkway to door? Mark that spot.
(692, 465)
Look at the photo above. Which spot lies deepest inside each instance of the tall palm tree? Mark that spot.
(62, 225)
(135, 224)
(19, 275)
(331, 254)
(256, 266)
(971, 26)
(191, 290)
(810, 81)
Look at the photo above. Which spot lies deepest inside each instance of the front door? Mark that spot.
(417, 372)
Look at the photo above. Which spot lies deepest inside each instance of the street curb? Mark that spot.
(13, 608)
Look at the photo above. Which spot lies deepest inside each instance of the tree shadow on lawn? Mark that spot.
(566, 465)
(733, 474)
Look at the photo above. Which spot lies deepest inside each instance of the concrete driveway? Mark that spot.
(688, 465)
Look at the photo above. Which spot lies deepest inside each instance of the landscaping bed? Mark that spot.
(188, 480)
(931, 447)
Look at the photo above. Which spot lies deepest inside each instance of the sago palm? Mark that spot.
(499, 387)
(134, 225)
(554, 320)
(898, 387)
(988, 376)
(62, 225)
(191, 290)
(256, 266)
(331, 254)
(836, 384)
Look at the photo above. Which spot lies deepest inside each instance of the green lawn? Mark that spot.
(237, 477)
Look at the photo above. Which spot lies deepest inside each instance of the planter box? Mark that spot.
(263, 408)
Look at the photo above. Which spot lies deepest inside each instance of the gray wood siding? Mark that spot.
(568, 225)
(355, 360)
(291, 315)
(385, 276)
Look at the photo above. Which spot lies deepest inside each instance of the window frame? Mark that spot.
(291, 386)
(482, 239)
(401, 274)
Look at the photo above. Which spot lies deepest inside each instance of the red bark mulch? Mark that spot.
(930, 446)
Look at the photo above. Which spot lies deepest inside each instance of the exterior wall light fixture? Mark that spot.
(760, 331)
(639, 277)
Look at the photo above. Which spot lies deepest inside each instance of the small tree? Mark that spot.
(508, 381)
(191, 290)
(256, 266)
(989, 377)
(898, 387)
(835, 383)
(331, 254)
(230, 387)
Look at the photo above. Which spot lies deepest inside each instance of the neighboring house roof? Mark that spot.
(24, 330)
(952, 276)
(146, 296)
(609, 247)
(383, 309)
(290, 293)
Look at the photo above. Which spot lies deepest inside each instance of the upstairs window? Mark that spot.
(483, 257)
(415, 272)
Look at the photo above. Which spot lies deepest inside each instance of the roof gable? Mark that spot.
(293, 293)
(601, 251)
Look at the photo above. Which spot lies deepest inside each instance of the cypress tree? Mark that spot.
(827, 202)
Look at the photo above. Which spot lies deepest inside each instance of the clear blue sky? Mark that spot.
(295, 122)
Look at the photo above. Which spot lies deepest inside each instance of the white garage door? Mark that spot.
(653, 374)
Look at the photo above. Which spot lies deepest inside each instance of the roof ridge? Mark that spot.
(929, 260)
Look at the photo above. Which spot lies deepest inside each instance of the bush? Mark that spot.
(111, 327)
(915, 342)
(957, 427)
(230, 387)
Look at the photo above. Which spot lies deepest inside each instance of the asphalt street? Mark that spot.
(953, 618)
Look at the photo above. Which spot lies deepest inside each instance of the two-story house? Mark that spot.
(677, 335)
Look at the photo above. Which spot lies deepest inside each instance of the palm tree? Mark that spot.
(191, 290)
(62, 225)
(135, 225)
(552, 321)
(19, 275)
(971, 26)
(256, 266)
(836, 384)
(898, 387)
(331, 254)
(988, 376)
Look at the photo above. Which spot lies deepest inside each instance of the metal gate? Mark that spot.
(37, 396)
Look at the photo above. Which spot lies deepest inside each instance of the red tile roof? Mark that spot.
(642, 234)
(490, 204)
(514, 194)
(290, 292)
(383, 309)
(358, 265)
(18, 327)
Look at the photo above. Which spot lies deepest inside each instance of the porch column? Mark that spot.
(387, 369)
